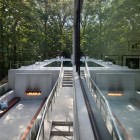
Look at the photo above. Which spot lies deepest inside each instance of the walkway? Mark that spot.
(59, 126)
(63, 111)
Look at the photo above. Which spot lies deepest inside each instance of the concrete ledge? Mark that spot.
(85, 129)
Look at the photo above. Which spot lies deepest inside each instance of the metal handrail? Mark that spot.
(46, 106)
(109, 111)
(41, 116)
(18, 64)
(60, 74)
(49, 101)
(114, 125)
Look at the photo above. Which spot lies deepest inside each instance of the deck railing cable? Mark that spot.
(104, 108)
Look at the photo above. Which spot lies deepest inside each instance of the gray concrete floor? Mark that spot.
(15, 121)
(129, 116)
(62, 110)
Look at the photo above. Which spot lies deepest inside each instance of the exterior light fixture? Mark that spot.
(115, 94)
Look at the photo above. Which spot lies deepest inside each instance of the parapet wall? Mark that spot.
(128, 80)
(12, 74)
(117, 81)
(33, 82)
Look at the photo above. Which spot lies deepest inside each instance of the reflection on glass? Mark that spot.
(110, 30)
(110, 36)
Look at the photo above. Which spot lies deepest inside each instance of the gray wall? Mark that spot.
(134, 82)
(33, 81)
(13, 72)
(117, 81)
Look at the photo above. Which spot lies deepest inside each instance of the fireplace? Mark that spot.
(33, 93)
(115, 93)
(33, 86)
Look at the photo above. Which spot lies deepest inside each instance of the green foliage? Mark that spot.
(32, 28)
(108, 26)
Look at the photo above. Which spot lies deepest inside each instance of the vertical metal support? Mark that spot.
(54, 97)
(77, 34)
(96, 96)
(105, 116)
(56, 92)
(100, 104)
(69, 128)
(48, 114)
(43, 130)
(51, 105)
(30, 135)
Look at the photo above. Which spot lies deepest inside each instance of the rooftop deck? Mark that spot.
(15, 121)
(60, 123)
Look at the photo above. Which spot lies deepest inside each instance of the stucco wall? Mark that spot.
(34, 81)
(13, 72)
(117, 81)
(132, 81)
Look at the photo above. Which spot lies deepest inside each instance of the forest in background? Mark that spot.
(110, 28)
(33, 30)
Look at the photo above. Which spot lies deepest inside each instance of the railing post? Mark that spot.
(48, 114)
(48, 108)
(51, 105)
(30, 136)
(96, 96)
(56, 92)
(54, 97)
(100, 103)
(43, 130)
(105, 115)
(69, 128)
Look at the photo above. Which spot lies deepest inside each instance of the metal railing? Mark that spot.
(4, 88)
(37, 130)
(19, 64)
(29, 64)
(49, 104)
(104, 107)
